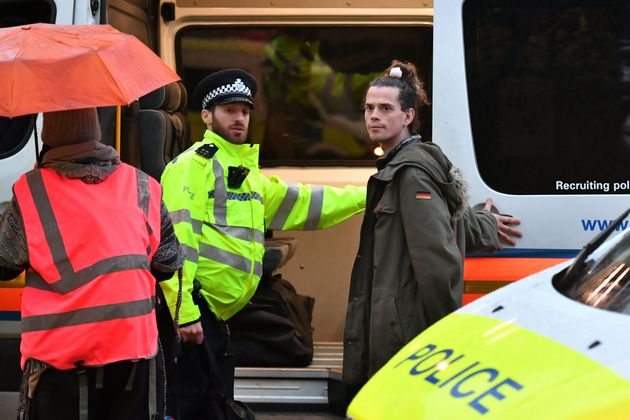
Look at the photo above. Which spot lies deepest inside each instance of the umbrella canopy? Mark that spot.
(45, 67)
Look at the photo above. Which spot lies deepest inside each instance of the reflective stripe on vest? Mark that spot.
(89, 294)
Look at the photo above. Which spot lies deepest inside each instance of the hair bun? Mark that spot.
(395, 72)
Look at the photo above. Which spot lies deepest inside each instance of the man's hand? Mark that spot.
(507, 233)
(192, 333)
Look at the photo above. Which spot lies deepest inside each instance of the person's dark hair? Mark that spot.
(411, 89)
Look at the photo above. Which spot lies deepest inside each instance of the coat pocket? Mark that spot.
(386, 328)
(388, 204)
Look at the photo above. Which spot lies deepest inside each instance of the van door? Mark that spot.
(532, 100)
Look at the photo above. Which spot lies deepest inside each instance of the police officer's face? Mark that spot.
(386, 122)
(231, 121)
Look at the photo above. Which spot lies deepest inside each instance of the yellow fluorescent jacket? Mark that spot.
(222, 229)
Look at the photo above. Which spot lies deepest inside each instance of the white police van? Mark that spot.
(530, 99)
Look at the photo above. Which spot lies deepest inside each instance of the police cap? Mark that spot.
(225, 86)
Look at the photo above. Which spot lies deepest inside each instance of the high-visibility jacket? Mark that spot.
(222, 229)
(89, 295)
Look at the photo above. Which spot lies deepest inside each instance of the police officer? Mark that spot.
(221, 204)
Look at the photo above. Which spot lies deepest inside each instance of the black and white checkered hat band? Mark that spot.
(237, 87)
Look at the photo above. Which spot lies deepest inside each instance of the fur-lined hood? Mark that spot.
(430, 158)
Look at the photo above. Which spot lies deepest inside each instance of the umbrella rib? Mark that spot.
(111, 76)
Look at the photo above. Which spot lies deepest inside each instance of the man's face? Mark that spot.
(231, 121)
(387, 124)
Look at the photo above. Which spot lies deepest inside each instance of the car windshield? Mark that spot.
(605, 282)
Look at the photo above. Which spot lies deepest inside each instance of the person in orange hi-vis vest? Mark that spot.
(93, 235)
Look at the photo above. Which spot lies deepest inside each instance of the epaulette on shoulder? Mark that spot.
(207, 150)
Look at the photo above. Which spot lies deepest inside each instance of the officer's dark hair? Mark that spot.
(411, 89)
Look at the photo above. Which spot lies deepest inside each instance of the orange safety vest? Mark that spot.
(89, 296)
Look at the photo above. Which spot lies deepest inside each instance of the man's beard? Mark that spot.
(224, 132)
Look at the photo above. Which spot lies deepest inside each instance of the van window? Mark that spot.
(23, 12)
(604, 282)
(549, 94)
(14, 134)
(311, 83)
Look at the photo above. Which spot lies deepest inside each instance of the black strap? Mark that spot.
(152, 388)
(83, 393)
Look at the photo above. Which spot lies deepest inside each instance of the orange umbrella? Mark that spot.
(46, 67)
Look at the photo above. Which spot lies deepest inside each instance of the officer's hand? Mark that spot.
(192, 333)
(507, 233)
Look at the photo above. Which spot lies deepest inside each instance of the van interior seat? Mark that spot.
(163, 127)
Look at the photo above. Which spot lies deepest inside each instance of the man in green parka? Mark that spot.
(417, 227)
(221, 204)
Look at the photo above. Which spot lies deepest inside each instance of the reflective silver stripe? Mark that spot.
(238, 262)
(82, 277)
(238, 232)
(314, 208)
(281, 216)
(88, 315)
(143, 191)
(258, 269)
(144, 195)
(190, 253)
(183, 216)
(220, 194)
(49, 223)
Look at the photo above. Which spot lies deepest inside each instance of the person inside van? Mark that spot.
(416, 230)
(93, 235)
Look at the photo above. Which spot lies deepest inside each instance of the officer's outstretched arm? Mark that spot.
(309, 207)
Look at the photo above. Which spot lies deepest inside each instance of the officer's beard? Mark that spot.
(224, 132)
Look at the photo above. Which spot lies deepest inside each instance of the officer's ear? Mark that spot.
(206, 117)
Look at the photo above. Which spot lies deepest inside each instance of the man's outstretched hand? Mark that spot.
(507, 233)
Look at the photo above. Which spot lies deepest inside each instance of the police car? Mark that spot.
(551, 346)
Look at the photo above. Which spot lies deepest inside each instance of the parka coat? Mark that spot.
(408, 272)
